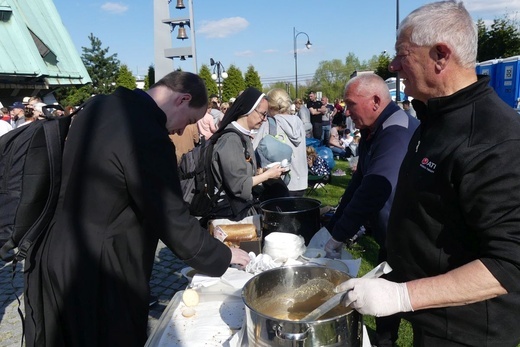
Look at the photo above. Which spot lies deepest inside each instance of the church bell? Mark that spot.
(180, 4)
(181, 35)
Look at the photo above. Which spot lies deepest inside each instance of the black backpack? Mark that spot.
(197, 183)
(30, 178)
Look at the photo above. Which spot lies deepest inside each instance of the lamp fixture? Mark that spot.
(219, 76)
(308, 45)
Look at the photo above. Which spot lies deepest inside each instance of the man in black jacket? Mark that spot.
(454, 227)
(87, 282)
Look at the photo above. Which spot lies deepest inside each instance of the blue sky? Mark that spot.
(258, 33)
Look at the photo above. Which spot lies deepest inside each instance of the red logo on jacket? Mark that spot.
(428, 165)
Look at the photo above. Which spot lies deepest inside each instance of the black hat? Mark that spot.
(243, 106)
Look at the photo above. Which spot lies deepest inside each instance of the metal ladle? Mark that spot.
(328, 305)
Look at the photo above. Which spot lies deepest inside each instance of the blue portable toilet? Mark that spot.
(508, 79)
(488, 67)
(402, 96)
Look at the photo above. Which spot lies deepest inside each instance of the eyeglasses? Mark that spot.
(264, 115)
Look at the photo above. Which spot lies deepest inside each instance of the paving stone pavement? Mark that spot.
(165, 282)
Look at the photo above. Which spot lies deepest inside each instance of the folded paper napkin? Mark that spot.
(236, 278)
(233, 277)
(261, 262)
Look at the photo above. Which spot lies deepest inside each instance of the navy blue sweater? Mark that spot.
(368, 197)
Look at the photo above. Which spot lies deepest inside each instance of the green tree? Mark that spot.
(383, 60)
(73, 96)
(500, 40)
(287, 86)
(101, 67)
(149, 80)
(233, 84)
(353, 64)
(330, 78)
(483, 37)
(125, 78)
(205, 74)
(252, 79)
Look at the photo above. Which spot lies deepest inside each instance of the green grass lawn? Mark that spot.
(366, 249)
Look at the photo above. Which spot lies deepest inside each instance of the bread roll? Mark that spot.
(188, 312)
(190, 297)
(237, 232)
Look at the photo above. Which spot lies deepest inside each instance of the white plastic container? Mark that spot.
(283, 246)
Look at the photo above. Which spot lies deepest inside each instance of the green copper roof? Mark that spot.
(35, 46)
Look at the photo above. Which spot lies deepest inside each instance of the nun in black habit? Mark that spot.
(235, 168)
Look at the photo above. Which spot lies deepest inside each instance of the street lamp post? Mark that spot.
(219, 76)
(308, 45)
(397, 78)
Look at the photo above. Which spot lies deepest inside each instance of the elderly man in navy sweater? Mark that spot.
(385, 133)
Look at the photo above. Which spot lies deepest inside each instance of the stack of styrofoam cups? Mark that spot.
(283, 246)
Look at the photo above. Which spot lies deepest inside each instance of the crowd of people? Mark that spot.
(440, 193)
(27, 110)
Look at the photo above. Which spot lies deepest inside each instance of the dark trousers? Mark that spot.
(387, 329)
(424, 339)
(317, 130)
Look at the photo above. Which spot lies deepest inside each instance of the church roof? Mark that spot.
(35, 47)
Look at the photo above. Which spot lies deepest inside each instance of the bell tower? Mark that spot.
(164, 29)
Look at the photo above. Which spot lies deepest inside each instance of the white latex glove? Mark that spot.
(333, 248)
(376, 296)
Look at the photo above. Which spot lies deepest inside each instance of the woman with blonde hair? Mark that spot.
(290, 128)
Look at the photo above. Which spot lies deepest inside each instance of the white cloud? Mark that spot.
(113, 7)
(495, 7)
(488, 23)
(247, 53)
(223, 28)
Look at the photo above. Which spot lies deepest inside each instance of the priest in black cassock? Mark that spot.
(87, 281)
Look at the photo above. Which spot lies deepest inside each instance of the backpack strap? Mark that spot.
(55, 130)
(209, 159)
(273, 131)
(272, 126)
(53, 140)
(241, 136)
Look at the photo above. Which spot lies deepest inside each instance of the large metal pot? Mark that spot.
(300, 216)
(276, 300)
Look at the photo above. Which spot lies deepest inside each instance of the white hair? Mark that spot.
(368, 84)
(444, 21)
